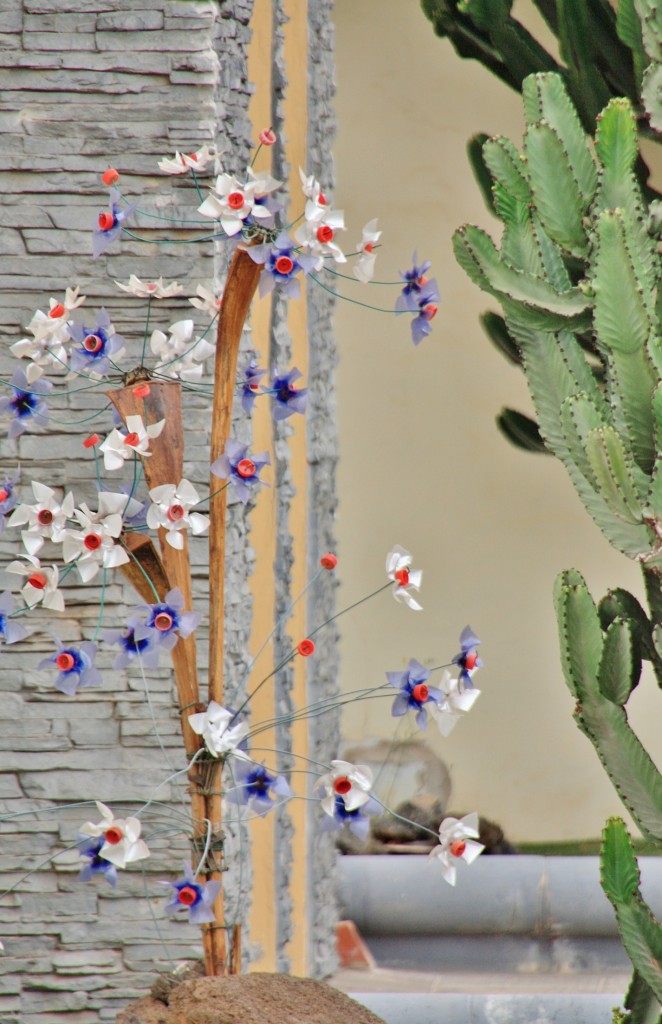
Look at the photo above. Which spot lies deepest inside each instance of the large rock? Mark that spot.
(250, 999)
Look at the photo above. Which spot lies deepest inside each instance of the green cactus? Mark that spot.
(577, 277)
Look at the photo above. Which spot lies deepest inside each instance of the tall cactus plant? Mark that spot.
(578, 277)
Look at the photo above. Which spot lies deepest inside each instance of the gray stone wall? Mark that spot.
(86, 84)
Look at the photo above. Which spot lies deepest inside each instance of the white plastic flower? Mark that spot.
(46, 519)
(94, 546)
(208, 301)
(350, 781)
(171, 510)
(232, 202)
(150, 289)
(397, 568)
(123, 844)
(119, 447)
(455, 703)
(364, 268)
(45, 324)
(219, 735)
(41, 583)
(181, 163)
(456, 842)
(180, 354)
(317, 236)
(50, 339)
(317, 205)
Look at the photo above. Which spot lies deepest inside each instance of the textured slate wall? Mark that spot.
(85, 84)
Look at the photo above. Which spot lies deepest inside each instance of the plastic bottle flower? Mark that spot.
(241, 471)
(181, 163)
(364, 268)
(180, 356)
(351, 782)
(122, 844)
(455, 702)
(90, 849)
(109, 223)
(7, 497)
(220, 736)
(233, 203)
(95, 347)
(94, 546)
(41, 583)
(252, 375)
(317, 235)
(10, 629)
(119, 447)
(75, 667)
(456, 842)
(428, 300)
(397, 568)
(414, 691)
(45, 325)
(130, 646)
(46, 519)
(281, 263)
(164, 622)
(198, 899)
(357, 821)
(25, 405)
(207, 301)
(254, 787)
(414, 282)
(171, 510)
(467, 659)
(150, 289)
(287, 398)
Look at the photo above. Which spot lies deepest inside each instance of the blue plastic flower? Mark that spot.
(109, 223)
(7, 497)
(242, 471)
(199, 899)
(427, 310)
(254, 787)
(132, 647)
(287, 398)
(75, 667)
(164, 623)
(10, 629)
(252, 375)
(89, 848)
(96, 345)
(282, 262)
(26, 404)
(357, 821)
(414, 691)
(414, 282)
(467, 659)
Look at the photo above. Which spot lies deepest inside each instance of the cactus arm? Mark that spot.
(650, 16)
(614, 473)
(628, 27)
(521, 431)
(620, 664)
(641, 1002)
(640, 931)
(475, 150)
(556, 192)
(496, 330)
(507, 167)
(578, 46)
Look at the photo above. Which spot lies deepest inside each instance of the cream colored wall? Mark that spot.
(422, 464)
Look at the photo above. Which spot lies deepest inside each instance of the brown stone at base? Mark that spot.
(250, 999)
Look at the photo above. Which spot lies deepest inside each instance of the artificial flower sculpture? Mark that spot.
(220, 735)
(398, 562)
(457, 841)
(455, 702)
(122, 844)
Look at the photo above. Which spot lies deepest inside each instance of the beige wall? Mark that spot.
(422, 463)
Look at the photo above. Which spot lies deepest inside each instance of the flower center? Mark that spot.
(368, 247)
(342, 785)
(470, 660)
(306, 648)
(235, 200)
(163, 621)
(420, 281)
(325, 233)
(321, 199)
(92, 343)
(175, 513)
(110, 176)
(284, 265)
(92, 542)
(420, 693)
(132, 439)
(114, 835)
(430, 311)
(246, 468)
(65, 661)
(187, 895)
(90, 441)
(37, 580)
(457, 847)
(57, 311)
(402, 576)
(328, 561)
(3, 495)
(106, 221)
(44, 517)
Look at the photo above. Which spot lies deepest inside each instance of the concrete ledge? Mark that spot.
(434, 1008)
(514, 895)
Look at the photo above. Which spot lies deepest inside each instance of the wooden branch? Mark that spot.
(144, 567)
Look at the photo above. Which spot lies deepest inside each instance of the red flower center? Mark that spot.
(141, 390)
(193, 156)
(470, 660)
(254, 387)
(284, 265)
(328, 561)
(368, 247)
(342, 785)
(420, 281)
(175, 513)
(3, 495)
(187, 895)
(457, 847)
(106, 221)
(110, 176)
(321, 199)
(44, 517)
(246, 468)
(132, 439)
(114, 835)
(92, 343)
(37, 580)
(325, 233)
(163, 621)
(57, 311)
(92, 542)
(235, 200)
(64, 661)
(420, 693)
(306, 648)
(402, 576)
(90, 441)
(430, 311)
